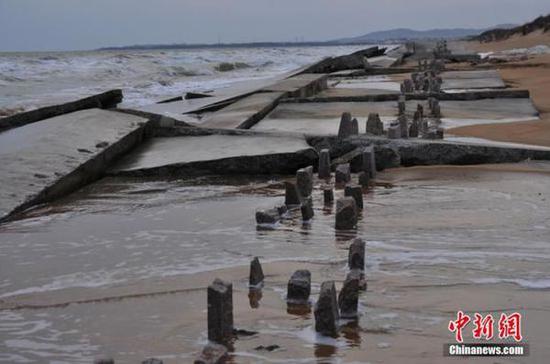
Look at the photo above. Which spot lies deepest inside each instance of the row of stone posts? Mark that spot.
(350, 126)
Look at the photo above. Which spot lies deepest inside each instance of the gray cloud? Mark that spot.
(87, 24)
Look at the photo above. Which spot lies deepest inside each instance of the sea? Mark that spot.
(35, 79)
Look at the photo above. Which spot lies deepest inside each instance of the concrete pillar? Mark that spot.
(348, 298)
(354, 127)
(403, 126)
(356, 192)
(356, 255)
(345, 129)
(292, 195)
(324, 163)
(304, 181)
(299, 287)
(220, 311)
(369, 161)
(364, 179)
(307, 209)
(374, 125)
(342, 174)
(346, 213)
(328, 195)
(256, 272)
(326, 311)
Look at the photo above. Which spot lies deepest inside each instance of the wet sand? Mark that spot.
(439, 239)
(532, 74)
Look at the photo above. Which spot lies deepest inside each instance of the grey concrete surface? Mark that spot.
(52, 157)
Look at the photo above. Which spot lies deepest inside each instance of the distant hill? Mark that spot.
(501, 33)
(411, 34)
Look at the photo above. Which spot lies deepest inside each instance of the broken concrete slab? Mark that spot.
(244, 113)
(303, 85)
(218, 154)
(53, 157)
(103, 100)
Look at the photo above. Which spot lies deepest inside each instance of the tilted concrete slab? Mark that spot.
(323, 118)
(243, 113)
(50, 158)
(219, 154)
(484, 79)
(303, 85)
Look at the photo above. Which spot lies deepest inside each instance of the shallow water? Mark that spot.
(435, 228)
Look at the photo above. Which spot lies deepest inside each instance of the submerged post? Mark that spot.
(299, 287)
(356, 256)
(346, 213)
(348, 298)
(220, 311)
(326, 311)
(256, 272)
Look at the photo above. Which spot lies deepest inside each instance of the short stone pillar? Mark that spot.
(408, 86)
(343, 173)
(299, 287)
(212, 354)
(420, 109)
(356, 192)
(403, 126)
(220, 311)
(374, 125)
(354, 127)
(436, 110)
(256, 273)
(292, 195)
(345, 129)
(369, 161)
(324, 163)
(364, 179)
(394, 131)
(326, 311)
(328, 195)
(348, 298)
(413, 129)
(307, 209)
(356, 255)
(304, 181)
(346, 213)
(401, 105)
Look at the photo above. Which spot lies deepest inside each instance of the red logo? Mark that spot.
(509, 326)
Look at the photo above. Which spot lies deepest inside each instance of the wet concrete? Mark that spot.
(303, 85)
(243, 113)
(224, 153)
(50, 158)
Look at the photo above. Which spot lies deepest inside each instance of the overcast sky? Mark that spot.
(87, 24)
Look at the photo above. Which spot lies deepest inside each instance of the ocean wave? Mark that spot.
(227, 66)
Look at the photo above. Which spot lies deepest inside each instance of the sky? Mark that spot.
(41, 25)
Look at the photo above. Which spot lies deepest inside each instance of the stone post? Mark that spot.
(345, 129)
(292, 195)
(369, 161)
(304, 181)
(324, 163)
(346, 213)
(342, 174)
(328, 195)
(356, 256)
(220, 311)
(326, 311)
(356, 192)
(348, 298)
(299, 287)
(307, 209)
(256, 272)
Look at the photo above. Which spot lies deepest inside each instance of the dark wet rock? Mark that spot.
(256, 272)
(328, 195)
(346, 213)
(220, 311)
(102, 145)
(346, 126)
(271, 216)
(292, 195)
(364, 179)
(374, 125)
(299, 287)
(304, 181)
(104, 361)
(307, 209)
(356, 255)
(342, 174)
(356, 192)
(348, 297)
(267, 348)
(326, 311)
(369, 161)
(152, 361)
(212, 354)
(324, 163)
